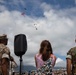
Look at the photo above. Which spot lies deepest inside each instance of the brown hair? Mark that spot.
(45, 49)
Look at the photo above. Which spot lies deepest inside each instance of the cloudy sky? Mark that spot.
(54, 19)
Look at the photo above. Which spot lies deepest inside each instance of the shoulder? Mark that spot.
(71, 51)
(74, 48)
(37, 55)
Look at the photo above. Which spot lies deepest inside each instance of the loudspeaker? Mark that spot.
(20, 44)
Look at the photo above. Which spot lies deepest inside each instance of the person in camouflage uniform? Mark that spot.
(71, 61)
(4, 55)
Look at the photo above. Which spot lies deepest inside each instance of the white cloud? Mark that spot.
(56, 26)
(60, 62)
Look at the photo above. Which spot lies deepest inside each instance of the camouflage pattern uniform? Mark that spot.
(4, 52)
(72, 55)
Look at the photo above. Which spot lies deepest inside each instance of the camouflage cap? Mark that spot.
(4, 36)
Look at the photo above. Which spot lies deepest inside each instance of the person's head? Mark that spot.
(45, 49)
(3, 39)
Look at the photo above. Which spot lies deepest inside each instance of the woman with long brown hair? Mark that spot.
(44, 54)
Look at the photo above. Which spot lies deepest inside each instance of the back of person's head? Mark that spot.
(3, 39)
(45, 49)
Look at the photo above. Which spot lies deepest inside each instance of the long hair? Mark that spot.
(45, 50)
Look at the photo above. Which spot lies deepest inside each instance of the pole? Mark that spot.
(20, 65)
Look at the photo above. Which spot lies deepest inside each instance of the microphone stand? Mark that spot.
(20, 64)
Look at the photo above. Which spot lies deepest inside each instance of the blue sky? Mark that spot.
(55, 20)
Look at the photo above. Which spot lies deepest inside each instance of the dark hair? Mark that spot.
(45, 49)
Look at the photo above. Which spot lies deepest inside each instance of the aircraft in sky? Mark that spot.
(35, 26)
